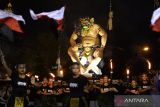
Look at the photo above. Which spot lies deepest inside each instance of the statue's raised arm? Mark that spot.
(103, 35)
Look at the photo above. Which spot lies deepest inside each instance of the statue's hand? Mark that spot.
(76, 47)
(79, 45)
(98, 52)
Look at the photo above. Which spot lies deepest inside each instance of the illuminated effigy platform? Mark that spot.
(88, 41)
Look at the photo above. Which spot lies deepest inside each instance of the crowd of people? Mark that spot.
(75, 91)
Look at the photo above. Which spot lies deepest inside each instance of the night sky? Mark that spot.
(130, 33)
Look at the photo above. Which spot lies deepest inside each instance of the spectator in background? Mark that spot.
(51, 93)
(144, 84)
(93, 94)
(133, 88)
(59, 92)
(42, 91)
(66, 94)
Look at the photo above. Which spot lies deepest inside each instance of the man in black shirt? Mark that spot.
(20, 87)
(51, 94)
(133, 88)
(144, 85)
(20, 84)
(42, 92)
(77, 85)
(107, 92)
(59, 91)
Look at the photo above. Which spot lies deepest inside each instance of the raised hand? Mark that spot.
(8, 70)
(2, 57)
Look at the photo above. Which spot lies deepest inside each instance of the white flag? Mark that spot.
(5, 14)
(56, 14)
(155, 16)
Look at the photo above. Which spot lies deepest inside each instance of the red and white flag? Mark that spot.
(155, 21)
(11, 20)
(57, 15)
